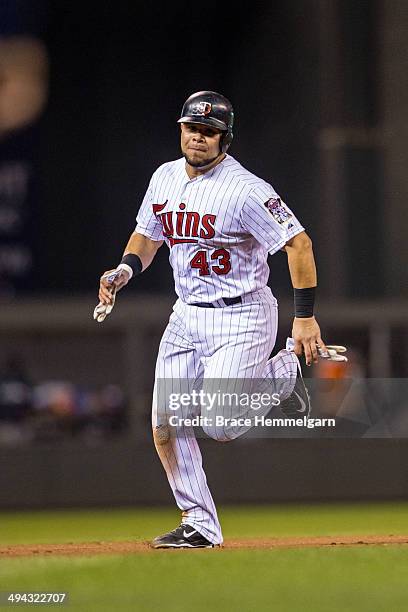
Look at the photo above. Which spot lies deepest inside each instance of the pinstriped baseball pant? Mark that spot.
(209, 345)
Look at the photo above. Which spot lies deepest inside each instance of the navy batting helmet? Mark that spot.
(212, 109)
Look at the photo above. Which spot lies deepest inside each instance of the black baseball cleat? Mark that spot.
(184, 536)
(298, 403)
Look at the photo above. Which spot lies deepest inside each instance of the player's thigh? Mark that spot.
(178, 367)
(246, 342)
(176, 355)
(233, 374)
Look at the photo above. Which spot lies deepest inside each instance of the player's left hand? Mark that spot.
(307, 338)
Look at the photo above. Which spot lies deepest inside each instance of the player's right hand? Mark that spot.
(110, 283)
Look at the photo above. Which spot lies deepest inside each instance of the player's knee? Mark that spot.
(220, 434)
(231, 434)
(161, 434)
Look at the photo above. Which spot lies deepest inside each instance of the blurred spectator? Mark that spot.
(15, 402)
(60, 409)
(15, 391)
(54, 410)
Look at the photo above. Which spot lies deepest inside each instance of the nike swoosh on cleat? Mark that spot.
(302, 402)
(187, 535)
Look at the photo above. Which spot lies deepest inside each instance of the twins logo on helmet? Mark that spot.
(202, 108)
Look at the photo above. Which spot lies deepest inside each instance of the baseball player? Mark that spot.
(219, 222)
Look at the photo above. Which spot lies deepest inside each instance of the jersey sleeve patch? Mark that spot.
(279, 211)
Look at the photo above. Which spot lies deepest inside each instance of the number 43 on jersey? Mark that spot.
(219, 261)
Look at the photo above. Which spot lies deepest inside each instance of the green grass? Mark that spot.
(243, 521)
(358, 578)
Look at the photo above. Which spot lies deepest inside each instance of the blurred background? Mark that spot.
(89, 101)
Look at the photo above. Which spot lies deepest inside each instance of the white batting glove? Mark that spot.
(332, 353)
(101, 311)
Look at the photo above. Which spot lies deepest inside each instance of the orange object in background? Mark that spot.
(23, 81)
(355, 367)
(335, 394)
(332, 369)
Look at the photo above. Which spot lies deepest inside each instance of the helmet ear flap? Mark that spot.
(225, 141)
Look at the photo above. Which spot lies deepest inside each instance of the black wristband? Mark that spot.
(134, 262)
(304, 302)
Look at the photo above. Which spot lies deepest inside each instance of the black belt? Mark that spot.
(227, 302)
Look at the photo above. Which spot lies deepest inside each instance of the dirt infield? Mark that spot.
(120, 548)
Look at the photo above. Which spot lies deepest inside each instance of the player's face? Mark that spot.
(200, 144)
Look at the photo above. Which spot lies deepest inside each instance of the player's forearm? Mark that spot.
(301, 261)
(143, 247)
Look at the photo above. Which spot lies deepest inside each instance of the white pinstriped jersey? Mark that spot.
(219, 228)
